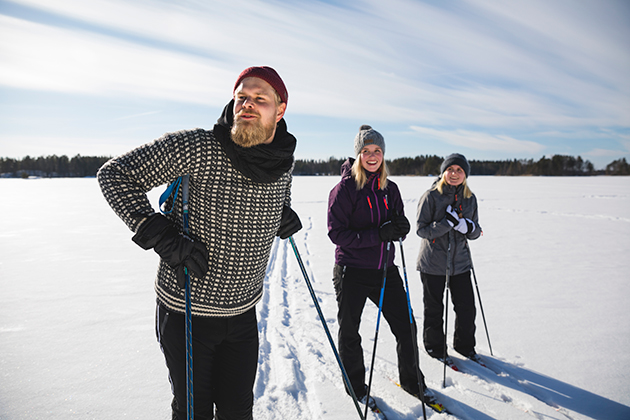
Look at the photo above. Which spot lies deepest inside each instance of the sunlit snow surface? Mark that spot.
(77, 307)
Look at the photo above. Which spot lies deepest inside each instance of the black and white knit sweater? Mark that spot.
(234, 216)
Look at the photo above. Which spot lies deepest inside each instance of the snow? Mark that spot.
(77, 307)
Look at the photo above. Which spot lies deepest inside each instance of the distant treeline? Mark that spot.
(557, 165)
(51, 166)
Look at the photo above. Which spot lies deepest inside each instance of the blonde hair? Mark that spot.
(439, 186)
(277, 97)
(360, 177)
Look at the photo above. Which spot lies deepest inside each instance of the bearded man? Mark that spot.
(240, 194)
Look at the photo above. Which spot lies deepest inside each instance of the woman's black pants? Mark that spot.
(464, 306)
(353, 287)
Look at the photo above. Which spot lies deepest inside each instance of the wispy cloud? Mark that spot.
(48, 58)
(480, 140)
(604, 153)
(398, 61)
(472, 68)
(142, 114)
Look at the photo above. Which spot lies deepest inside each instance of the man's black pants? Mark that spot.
(225, 360)
(464, 306)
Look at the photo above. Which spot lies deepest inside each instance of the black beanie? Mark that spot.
(455, 159)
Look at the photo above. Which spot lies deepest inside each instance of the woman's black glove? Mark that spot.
(386, 231)
(289, 223)
(394, 229)
(402, 225)
(176, 249)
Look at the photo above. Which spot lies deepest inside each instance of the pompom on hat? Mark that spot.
(455, 159)
(267, 74)
(367, 135)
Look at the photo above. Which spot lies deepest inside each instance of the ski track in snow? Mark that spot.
(289, 331)
(280, 382)
(525, 386)
(501, 385)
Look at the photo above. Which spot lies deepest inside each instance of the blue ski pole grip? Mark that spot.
(185, 196)
(172, 189)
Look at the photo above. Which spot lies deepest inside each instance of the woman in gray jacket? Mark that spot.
(447, 218)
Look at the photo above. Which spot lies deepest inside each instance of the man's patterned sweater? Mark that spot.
(235, 217)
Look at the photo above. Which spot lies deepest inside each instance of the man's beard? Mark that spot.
(251, 133)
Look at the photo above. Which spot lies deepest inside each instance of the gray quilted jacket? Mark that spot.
(436, 232)
(235, 217)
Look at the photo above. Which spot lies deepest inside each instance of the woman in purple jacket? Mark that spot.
(365, 212)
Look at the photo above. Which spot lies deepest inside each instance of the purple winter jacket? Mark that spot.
(355, 216)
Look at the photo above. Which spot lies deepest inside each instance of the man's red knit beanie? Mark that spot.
(267, 74)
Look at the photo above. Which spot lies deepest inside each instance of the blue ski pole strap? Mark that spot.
(171, 190)
(185, 196)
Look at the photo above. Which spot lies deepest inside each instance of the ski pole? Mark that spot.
(448, 280)
(378, 321)
(483, 316)
(322, 319)
(414, 336)
(189, 355)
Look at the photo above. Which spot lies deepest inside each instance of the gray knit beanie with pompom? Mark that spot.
(367, 135)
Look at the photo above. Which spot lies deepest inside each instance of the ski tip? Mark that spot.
(437, 407)
(378, 412)
(432, 402)
(450, 363)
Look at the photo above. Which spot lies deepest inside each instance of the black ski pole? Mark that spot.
(189, 349)
(323, 321)
(378, 321)
(448, 281)
(483, 315)
(414, 335)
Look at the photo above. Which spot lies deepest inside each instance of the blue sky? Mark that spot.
(489, 79)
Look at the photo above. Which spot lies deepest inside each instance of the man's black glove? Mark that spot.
(289, 223)
(394, 229)
(176, 249)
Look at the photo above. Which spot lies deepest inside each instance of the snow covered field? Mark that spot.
(77, 307)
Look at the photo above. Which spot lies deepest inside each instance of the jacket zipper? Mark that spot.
(377, 181)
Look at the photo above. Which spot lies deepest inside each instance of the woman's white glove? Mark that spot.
(451, 216)
(461, 225)
(465, 226)
(471, 225)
